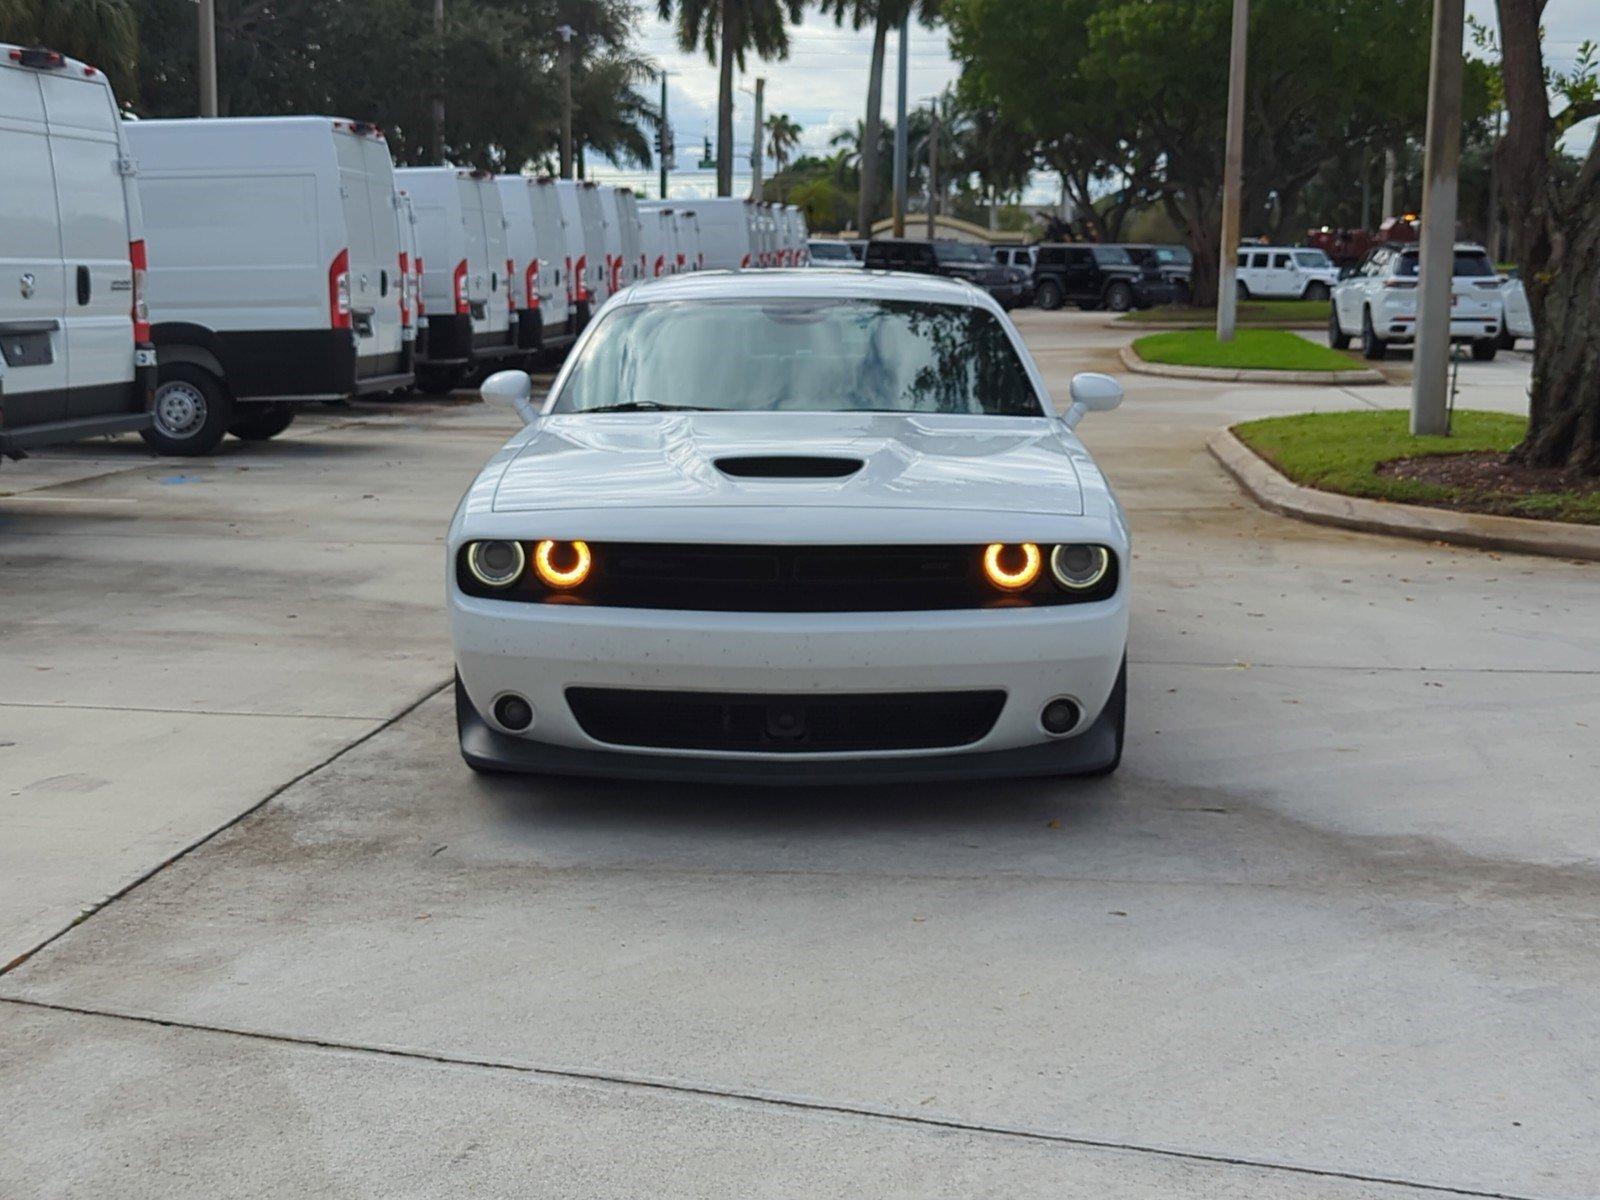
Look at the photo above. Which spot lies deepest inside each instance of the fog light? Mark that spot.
(496, 564)
(1059, 716)
(513, 712)
(562, 564)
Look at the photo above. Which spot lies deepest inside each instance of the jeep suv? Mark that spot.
(1095, 276)
(957, 260)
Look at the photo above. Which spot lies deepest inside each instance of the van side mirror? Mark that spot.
(513, 390)
(1091, 392)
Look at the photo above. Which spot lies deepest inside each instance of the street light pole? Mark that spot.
(665, 136)
(1430, 382)
(1232, 176)
(900, 131)
(755, 141)
(208, 58)
(438, 84)
(933, 170)
(566, 32)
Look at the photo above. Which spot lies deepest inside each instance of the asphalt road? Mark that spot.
(1329, 932)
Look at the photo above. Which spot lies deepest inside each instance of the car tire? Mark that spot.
(1316, 291)
(192, 411)
(1484, 349)
(1049, 295)
(1507, 340)
(1117, 706)
(261, 422)
(437, 381)
(1373, 347)
(1119, 297)
(1337, 337)
(1241, 290)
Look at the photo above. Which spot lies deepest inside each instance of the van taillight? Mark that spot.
(458, 287)
(511, 286)
(582, 272)
(141, 305)
(532, 285)
(339, 291)
(422, 309)
(405, 292)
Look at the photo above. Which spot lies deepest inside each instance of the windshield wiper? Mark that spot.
(647, 406)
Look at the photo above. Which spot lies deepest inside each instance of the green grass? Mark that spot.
(1307, 313)
(1341, 451)
(1251, 349)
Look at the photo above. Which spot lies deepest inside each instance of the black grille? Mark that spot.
(786, 579)
(784, 724)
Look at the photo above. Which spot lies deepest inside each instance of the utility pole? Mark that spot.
(208, 58)
(755, 141)
(1430, 383)
(438, 84)
(933, 170)
(1232, 176)
(666, 146)
(900, 131)
(1390, 168)
(566, 32)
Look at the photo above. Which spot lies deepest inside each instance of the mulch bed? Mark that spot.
(1486, 481)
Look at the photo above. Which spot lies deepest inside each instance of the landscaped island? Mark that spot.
(1250, 350)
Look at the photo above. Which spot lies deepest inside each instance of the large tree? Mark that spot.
(729, 30)
(1554, 217)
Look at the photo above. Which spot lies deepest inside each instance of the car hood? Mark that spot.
(920, 461)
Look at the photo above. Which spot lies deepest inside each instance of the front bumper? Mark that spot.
(1149, 293)
(1035, 655)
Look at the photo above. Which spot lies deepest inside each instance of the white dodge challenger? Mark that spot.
(793, 527)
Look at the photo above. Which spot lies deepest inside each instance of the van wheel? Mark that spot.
(1119, 297)
(437, 381)
(1240, 290)
(1316, 291)
(1372, 346)
(1337, 337)
(192, 411)
(258, 422)
(1507, 342)
(1048, 297)
(1484, 349)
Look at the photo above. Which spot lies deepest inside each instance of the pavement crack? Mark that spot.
(775, 1100)
(190, 712)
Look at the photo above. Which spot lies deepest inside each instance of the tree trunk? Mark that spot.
(872, 128)
(729, 48)
(1555, 239)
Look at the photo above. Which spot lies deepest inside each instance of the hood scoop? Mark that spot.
(787, 466)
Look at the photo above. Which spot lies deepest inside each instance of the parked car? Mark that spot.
(522, 267)
(831, 252)
(956, 260)
(461, 232)
(727, 231)
(614, 275)
(1285, 273)
(1175, 264)
(1095, 276)
(580, 208)
(1378, 302)
(689, 236)
(656, 238)
(856, 543)
(553, 238)
(410, 275)
(75, 354)
(1020, 257)
(1516, 318)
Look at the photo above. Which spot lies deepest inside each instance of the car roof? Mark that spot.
(808, 282)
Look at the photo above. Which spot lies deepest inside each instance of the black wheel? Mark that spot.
(438, 381)
(258, 422)
(1337, 337)
(192, 411)
(1484, 349)
(1240, 290)
(1049, 295)
(1117, 706)
(1316, 291)
(1119, 297)
(1507, 341)
(1372, 346)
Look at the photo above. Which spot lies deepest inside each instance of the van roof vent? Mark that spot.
(788, 466)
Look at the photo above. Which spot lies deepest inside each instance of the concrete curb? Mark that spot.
(1120, 322)
(1133, 362)
(1275, 493)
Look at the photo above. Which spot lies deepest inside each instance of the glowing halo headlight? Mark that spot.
(1012, 568)
(496, 564)
(562, 564)
(1078, 567)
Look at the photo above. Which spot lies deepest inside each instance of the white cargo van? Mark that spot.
(461, 234)
(628, 220)
(611, 232)
(522, 244)
(410, 276)
(653, 241)
(689, 236)
(75, 354)
(724, 225)
(799, 237)
(275, 271)
(554, 239)
(580, 209)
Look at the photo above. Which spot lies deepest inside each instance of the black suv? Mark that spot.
(1175, 263)
(1095, 276)
(957, 260)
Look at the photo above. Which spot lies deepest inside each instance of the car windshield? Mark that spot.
(1111, 256)
(1177, 256)
(1471, 264)
(829, 250)
(1312, 258)
(800, 355)
(960, 252)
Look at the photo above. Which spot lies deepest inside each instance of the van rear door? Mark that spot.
(383, 204)
(360, 241)
(476, 248)
(33, 379)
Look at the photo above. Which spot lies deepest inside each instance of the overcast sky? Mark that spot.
(822, 85)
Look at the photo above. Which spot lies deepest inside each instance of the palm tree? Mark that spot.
(610, 115)
(783, 135)
(728, 29)
(102, 32)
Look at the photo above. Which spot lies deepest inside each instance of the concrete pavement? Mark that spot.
(1328, 933)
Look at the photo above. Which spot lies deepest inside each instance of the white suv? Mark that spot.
(1378, 302)
(1285, 273)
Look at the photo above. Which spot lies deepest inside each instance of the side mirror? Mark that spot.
(513, 390)
(1091, 392)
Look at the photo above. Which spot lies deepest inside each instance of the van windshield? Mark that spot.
(1312, 258)
(800, 355)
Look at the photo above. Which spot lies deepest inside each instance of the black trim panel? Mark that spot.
(51, 433)
(271, 362)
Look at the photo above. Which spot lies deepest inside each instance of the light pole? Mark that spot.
(900, 132)
(1430, 382)
(666, 146)
(755, 141)
(1232, 176)
(566, 32)
(208, 58)
(933, 167)
(438, 84)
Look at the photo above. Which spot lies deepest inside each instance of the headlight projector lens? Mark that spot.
(562, 564)
(1078, 568)
(496, 564)
(1012, 568)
